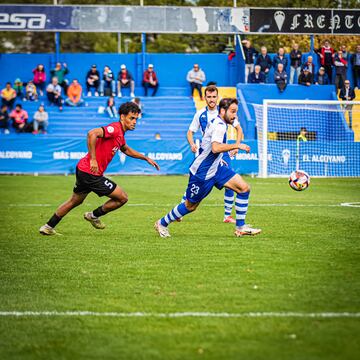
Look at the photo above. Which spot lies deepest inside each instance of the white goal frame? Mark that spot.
(263, 157)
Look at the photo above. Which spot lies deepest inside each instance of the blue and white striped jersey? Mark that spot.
(206, 163)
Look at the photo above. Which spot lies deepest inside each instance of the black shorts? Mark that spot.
(100, 185)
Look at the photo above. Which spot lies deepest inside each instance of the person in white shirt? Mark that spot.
(196, 77)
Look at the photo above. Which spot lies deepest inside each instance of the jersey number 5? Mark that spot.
(108, 184)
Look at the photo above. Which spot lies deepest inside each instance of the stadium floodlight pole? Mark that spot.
(57, 41)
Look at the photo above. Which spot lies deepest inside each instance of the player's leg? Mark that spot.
(229, 197)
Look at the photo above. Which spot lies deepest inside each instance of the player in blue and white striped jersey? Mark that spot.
(199, 122)
(207, 171)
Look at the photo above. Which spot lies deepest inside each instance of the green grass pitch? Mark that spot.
(307, 260)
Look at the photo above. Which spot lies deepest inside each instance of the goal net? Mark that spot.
(319, 137)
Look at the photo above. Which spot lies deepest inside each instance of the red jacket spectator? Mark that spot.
(40, 77)
(150, 80)
(326, 55)
(148, 75)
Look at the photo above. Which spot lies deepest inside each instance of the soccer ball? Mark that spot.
(299, 180)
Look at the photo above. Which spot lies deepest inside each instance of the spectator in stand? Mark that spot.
(256, 77)
(30, 91)
(309, 64)
(347, 94)
(40, 78)
(341, 69)
(60, 71)
(264, 60)
(19, 118)
(125, 80)
(355, 63)
(41, 119)
(196, 77)
(280, 58)
(111, 107)
(8, 96)
(321, 77)
(74, 94)
(280, 77)
(19, 88)
(139, 104)
(107, 81)
(306, 77)
(53, 92)
(150, 80)
(345, 53)
(326, 54)
(295, 63)
(93, 80)
(4, 119)
(250, 53)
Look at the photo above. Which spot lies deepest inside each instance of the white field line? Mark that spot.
(180, 314)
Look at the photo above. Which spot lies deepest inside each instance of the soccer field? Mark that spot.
(293, 292)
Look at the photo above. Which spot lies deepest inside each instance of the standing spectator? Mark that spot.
(309, 64)
(93, 80)
(345, 53)
(111, 107)
(280, 77)
(53, 92)
(30, 91)
(40, 78)
(8, 96)
(295, 63)
(107, 81)
(347, 94)
(41, 119)
(125, 80)
(341, 69)
(60, 71)
(250, 53)
(256, 77)
(321, 77)
(355, 63)
(19, 118)
(326, 54)
(280, 58)
(4, 119)
(74, 94)
(264, 60)
(306, 77)
(150, 80)
(19, 88)
(196, 77)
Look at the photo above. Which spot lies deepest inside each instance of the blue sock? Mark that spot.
(228, 202)
(183, 198)
(176, 213)
(241, 206)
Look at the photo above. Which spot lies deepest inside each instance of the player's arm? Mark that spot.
(190, 139)
(135, 154)
(217, 147)
(239, 137)
(91, 142)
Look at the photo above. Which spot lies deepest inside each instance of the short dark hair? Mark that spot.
(18, 105)
(227, 102)
(211, 88)
(129, 107)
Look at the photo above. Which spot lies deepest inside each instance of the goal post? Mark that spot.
(321, 137)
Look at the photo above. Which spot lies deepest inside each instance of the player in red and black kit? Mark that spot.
(103, 143)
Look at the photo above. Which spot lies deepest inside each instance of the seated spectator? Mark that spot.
(196, 77)
(321, 78)
(150, 80)
(93, 80)
(249, 53)
(8, 96)
(306, 77)
(107, 81)
(280, 58)
(60, 71)
(341, 65)
(19, 118)
(139, 104)
(74, 94)
(111, 107)
(4, 119)
(41, 119)
(125, 80)
(280, 77)
(19, 88)
(256, 77)
(53, 92)
(309, 64)
(30, 91)
(40, 78)
(355, 63)
(295, 63)
(264, 60)
(347, 93)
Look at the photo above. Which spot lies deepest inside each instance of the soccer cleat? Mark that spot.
(162, 230)
(47, 230)
(229, 219)
(246, 230)
(95, 222)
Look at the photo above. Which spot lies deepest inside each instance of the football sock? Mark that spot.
(183, 198)
(228, 202)
(241, 206)
(176, 213)
(98, 212)
(54, 220)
